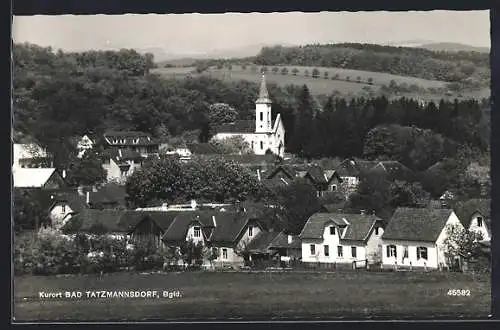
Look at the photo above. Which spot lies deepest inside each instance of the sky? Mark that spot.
(204, 33)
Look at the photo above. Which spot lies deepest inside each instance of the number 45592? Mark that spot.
(463, 293)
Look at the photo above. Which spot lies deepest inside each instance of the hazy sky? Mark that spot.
(199, 33)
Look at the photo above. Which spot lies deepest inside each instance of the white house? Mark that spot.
(227, 232)
(29, 155)
(65, 205)
(262, 135)
(341, 238)
(84, 144)
(414, 237)
(37, 178)
(475, 214)
(120, 164)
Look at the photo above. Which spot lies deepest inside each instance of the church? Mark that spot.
(262, 134)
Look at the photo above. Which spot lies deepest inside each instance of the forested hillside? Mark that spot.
(59, 96)
(470, 67)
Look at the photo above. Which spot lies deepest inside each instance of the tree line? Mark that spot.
(415, 62)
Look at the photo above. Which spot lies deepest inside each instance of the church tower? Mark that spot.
(263, 110)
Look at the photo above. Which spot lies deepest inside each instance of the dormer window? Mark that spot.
(376, 230)
(479, 221)
(197, 232)
(332, 230)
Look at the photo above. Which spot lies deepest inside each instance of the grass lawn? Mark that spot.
(206, 295)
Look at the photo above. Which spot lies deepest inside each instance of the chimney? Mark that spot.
(64, 174)
(215, 222)
(362, 212)
(193, 204)
(258, 174)
(120, 152)
(88, 197)
(289, 239)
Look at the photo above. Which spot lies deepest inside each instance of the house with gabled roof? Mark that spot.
(119, 164)
(64, 205)
(337, 238)
(415, 237)
(43, 178)
(108, 196)
(475, 214)
(322, 180)
(91, 221)
(228, 232)
(350, 171)
(261, 134)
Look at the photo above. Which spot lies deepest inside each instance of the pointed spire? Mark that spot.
(263, 94)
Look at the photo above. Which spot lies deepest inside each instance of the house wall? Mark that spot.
(233, 258)
(113, 172)
(333, 242)
(148, 231)
(246, 238)
(374, 245)
(483, 229)
(83, 145)
(412, 260)
(59, 213)
(190, 234)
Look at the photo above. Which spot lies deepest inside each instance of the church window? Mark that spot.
(261, 145)
(261, 116)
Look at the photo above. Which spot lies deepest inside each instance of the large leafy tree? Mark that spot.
(204, 179)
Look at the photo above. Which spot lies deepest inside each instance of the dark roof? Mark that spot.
(131, 138)
(416, 224)
(229, 226)
(466, 209)
(358, 226)
(333, 208)
(239, 126)
(203, 149)
(75, 201)
(119, 155)
(111, 193)
(395, 170)
(250, 159)
(177, 230)
(90, 218)
(261, 243)
(353, 168)
(281, 242)
(263, 94)
(163, 219)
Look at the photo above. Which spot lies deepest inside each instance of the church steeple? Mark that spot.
(263, 94)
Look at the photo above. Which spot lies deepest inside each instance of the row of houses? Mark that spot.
(413, 237)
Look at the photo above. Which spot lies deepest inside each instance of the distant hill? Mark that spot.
(453, 47)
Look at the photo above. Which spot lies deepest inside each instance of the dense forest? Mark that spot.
(59, 96)
(472, 68)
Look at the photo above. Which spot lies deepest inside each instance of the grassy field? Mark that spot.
(254, 296)
(328, 86)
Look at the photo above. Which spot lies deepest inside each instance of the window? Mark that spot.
(313, 249)
(479, 221)
(333, 187)
(327, 251)
(391, 251)
(376, 231)
(63, 209)
(340, 252)
(123, 172)
(332, 230)
(405, 252)
(224, 253)
(261, 116)
(422, 252)
(354, 251)
(197, 232)
(250, 231)
(261, 145)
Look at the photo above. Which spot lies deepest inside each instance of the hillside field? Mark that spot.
(343, 81)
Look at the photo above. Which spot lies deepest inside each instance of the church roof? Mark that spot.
(263, 94)
(239, 126)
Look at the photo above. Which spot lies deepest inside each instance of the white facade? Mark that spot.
(115, 174)
(332, 249)
(83, 145)
(59, 214)
(195, 234)
(416, 253)
(479, 225)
